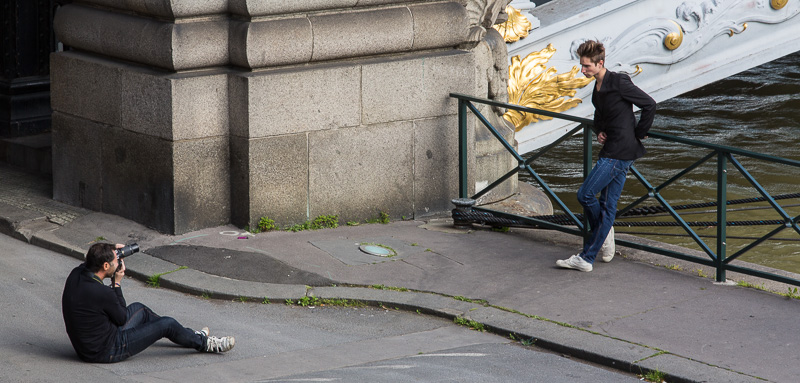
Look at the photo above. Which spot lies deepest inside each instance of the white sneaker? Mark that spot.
(203, 331)
(608, 249)
(214, 344)
(574, 262)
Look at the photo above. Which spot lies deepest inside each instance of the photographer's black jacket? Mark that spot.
(92, 312)
(613, 114)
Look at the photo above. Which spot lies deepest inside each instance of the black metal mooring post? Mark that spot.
(463, 208)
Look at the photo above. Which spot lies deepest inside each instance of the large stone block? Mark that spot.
(77, 153)
(415, 86)
(439, 25)
(262, 8)
(354, 34)
(269, 178)
(138, 179)
(201, 183)
(358, 172)
(109, 34)
(199, 105)
(146, 103)
(174, 106)
(200, 44)
(171, 46)
(85, 86)
(169, 9)
(174, 187)
(263, 43)
(436, 172)
(290, 101)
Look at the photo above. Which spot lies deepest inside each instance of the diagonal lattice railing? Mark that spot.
(724, 156)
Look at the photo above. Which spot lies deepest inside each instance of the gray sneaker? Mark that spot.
(214, 344)
(574, 262)
(608, 248)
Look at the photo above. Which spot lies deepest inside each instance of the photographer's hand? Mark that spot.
(117, 278)
(120, 272)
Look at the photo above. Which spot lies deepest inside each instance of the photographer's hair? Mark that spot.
(594, 50)
(99, 254)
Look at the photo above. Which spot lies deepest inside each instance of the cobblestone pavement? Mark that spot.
(32, 192)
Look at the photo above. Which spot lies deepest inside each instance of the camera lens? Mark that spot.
(128, 250)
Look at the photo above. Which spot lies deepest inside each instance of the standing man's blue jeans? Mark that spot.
(144, 327)
(607, 178)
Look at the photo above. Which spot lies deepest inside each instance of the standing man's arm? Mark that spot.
(638, 97)
(598, 121)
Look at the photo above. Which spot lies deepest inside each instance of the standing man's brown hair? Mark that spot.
(593, 50)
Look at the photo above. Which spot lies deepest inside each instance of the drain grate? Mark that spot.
(377, 250)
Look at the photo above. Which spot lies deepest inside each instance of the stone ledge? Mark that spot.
(161, 44)
(362, 33)
(219, 41)
(256, 8)
(254, 44)
(169, 9)
(346, 35)
(439, 25)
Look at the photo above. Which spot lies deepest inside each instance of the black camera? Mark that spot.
(127, 250)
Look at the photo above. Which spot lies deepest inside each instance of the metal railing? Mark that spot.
(724, 155)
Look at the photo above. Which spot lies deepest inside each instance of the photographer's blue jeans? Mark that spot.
(144, 327)
(606, 178)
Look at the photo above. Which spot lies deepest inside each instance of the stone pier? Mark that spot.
(183, 114)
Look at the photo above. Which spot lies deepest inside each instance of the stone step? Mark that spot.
(31, 153)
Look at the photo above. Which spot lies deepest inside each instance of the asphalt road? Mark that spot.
(274, 342)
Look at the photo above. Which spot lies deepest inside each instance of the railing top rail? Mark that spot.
(654, 134)
(723, 148)
(522, 108)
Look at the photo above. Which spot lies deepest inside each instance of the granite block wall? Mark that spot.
(183, 115)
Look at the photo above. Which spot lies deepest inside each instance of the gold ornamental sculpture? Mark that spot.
(532, 84)
(516, 27)
(778, 4)
(674, 40)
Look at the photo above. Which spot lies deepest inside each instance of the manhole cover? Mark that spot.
(376, 250)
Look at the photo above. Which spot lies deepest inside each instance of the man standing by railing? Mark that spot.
(615, 124)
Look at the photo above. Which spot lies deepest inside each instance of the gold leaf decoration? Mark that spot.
(778, 4)
(516, 27)
(533, 85)
(673, 40)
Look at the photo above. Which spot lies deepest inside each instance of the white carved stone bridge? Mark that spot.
(667, 46)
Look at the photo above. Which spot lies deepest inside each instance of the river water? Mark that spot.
(757, 110)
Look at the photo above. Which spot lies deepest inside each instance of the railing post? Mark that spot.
(462, 149)
(722, 219)
(587, 168)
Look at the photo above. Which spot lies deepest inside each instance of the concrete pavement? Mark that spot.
(275, 342)
(632, 314)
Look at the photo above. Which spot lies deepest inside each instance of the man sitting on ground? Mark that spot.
(103, 329)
